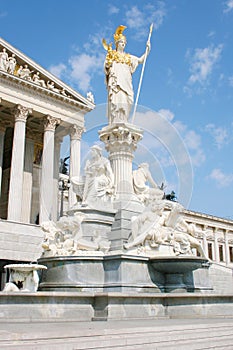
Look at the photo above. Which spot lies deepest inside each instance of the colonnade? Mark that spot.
(215, 239)
(49, 166)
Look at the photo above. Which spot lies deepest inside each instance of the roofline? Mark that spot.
(42, 70)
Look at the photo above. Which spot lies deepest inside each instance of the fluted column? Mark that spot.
(216, 247)
(75, 138)
(2, 134)
(17, 164)
(227, 248)
(27, 181)
(57, 149)
(205, 244)
(121, 142)
(46, 186)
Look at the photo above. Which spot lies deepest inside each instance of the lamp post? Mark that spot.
(64, 185)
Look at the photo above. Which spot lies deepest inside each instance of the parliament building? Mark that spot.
(37, 110)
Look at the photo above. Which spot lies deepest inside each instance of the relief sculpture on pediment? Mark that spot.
(9, 63)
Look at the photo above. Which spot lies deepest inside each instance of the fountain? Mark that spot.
(123, 251)
(123, 236)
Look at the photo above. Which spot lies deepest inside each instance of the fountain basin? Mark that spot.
(178, 264)
(178, 271)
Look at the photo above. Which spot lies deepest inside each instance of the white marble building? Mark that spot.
(36, 111)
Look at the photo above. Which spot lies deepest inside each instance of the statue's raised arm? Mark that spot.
(119, 67)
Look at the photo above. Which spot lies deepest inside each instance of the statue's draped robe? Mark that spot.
(99, 180)
(120, 89)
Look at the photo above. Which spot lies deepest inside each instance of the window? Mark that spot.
(231, 253)
(210, 251)
(220, 247)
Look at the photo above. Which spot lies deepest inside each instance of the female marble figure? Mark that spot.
(11, 64)
(99, 182)
(4, 60)
(141, 176)
(119, 67)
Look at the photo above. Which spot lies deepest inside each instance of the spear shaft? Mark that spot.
(142, 73)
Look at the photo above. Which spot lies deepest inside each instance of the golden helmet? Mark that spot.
(118, 34)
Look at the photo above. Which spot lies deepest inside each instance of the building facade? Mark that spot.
(36, 111)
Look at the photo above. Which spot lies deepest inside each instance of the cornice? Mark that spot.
(15, 82)
(206, 217)
(24, 66)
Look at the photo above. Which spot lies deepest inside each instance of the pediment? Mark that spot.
(17, 66)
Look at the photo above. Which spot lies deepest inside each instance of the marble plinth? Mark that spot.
(76, 307)
(97, 221)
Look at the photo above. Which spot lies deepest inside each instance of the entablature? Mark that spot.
(15, 65)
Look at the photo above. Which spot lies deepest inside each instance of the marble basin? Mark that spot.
(178, 264)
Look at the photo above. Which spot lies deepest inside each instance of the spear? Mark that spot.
(142, 72)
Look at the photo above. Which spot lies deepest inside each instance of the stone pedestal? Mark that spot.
(97, 222)
(121, 141)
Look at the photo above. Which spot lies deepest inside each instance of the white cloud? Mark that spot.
(112, 9)
(140, 19)
(230, 79)
(220, 134)
(135, 18)
(222, 180)
(167, 146)
(83, 67)
(174, 135)
(167, 114)
(202, 63)
(211, 34)
(3, 14)
(192, 139)
(58, 69)
(228, 6)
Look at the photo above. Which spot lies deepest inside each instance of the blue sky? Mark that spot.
(186, 101)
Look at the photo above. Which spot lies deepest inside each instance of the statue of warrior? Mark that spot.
(119, 67)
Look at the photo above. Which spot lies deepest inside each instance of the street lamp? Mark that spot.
(64, 185)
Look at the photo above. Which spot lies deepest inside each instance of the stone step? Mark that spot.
(124, 330)
(171, 337)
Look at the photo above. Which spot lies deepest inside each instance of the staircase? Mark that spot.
(122, 335)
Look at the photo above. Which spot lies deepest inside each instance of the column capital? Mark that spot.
(76, 132)
(21, 113)
(50, 123)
